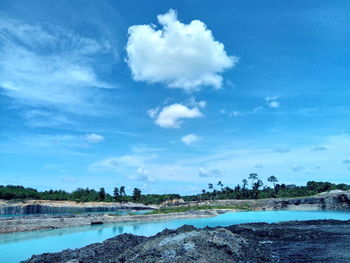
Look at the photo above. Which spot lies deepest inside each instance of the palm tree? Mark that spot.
(253, 177)
(245, 183)
(203, 193)
(258, 184)
(220, 184)
(116, 194)
(272, 179)
(122, 192)
(102, 194)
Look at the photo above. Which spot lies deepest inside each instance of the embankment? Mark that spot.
(55, 207)
(334, 200)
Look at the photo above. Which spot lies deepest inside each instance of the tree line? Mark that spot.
(252, 187)
(18, 192)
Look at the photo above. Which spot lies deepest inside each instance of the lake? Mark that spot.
(19, 246)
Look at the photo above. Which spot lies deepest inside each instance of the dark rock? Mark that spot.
(106, 251)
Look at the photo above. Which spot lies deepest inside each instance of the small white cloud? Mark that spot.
(115, 163)
(69, 180)
(202, 172)
(235, 113)
(94, 138)
(190, 139)
(257, 109)
(153, 112)
(171, 116)
(180, 55)
(258, 165)
(142, 174)
(297, 168)
(272, 102)
(318, 149)
(282, 150)
(230, 84)
(145, 149)
(202, 104)
(193, 103)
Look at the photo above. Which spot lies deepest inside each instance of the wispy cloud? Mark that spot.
(94, 138)
(297, 167)
(258, 165)
(55, 142)
(318, 149)
(202, 172)
(189, 139)
(50, 67)
(42, 118)
(272, 102)
(282, 150)
(142, 174)
(124, 161)
(233, 113)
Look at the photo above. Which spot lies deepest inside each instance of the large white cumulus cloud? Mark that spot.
(180, 55)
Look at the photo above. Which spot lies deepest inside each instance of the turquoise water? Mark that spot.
(19, 246)
(118, 212)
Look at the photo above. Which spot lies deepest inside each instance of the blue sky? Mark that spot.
(172, 95)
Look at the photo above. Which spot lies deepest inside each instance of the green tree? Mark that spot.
(136, 195)
(245, 183)
(253, 177)
(116, 194)
(257, 185)
(221, 185)
(102, 194)
(122, 193)
(272, 179)
(202, 194)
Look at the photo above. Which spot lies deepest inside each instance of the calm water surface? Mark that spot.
(19, 246)
(118, 212)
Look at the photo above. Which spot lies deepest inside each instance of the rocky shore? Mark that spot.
(296, 241)
(334, 200)
(54, 207)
